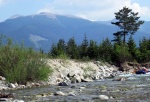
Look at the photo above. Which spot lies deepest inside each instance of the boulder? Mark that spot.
(11, 85)
(86, 80)
(76, 79)
(2, 78)
(62, 84)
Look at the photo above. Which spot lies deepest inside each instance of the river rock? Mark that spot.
(62, 84)
(11, 85)
(71, 71)
(16, 100)
(103, 97)
(6, 95)
(72, 93)
(86, 80)
(120, 79)
(2, 78)
(59, 93)
(5, 100)
(76, 79)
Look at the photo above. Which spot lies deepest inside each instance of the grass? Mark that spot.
(19, 64)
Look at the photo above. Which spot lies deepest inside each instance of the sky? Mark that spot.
(95, 10)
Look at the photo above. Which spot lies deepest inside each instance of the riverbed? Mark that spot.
(135, 88)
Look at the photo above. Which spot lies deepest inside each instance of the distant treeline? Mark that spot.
(115, 51)
(112, 52)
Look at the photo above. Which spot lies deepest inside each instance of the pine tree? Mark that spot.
(84, 47)
(92, 50)
(105, 50)
(127, 21)
(54, 51)
(144, 47)
(132, 47)
(61, 47)
(71, 49)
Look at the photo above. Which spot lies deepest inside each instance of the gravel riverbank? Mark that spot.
(134, 89)
(74, 81)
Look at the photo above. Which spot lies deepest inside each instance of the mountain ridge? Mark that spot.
(40, 31)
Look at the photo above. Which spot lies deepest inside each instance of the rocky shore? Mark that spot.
(74, 80)
(67, 71)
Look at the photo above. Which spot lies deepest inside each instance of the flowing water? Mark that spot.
(135, 89)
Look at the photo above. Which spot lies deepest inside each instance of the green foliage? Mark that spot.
(61, 47)
(85, 58)
(84, 47)
(144, 48)
(72, 49)
(58, 50)
(20, 65)
(92, 50)
(120, 54)
(53, 52)
(105, 50)
(132, 47)
(63, 56)
(127, 21)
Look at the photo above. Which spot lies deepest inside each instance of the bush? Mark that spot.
(62, 56)
(19, 64)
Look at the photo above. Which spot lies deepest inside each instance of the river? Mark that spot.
(136, 88)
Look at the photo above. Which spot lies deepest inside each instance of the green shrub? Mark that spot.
(62, 56)
(19, 64)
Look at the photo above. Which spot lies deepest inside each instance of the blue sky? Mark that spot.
(89, 9)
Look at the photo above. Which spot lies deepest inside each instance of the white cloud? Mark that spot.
(93, 9)
(2, 1)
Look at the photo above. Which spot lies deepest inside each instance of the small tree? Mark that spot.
(61, 47)
(132, 47)
(105, 50)
(92, 50)
(84, 47)
(53, 52)
(144, 47)
(71, 48)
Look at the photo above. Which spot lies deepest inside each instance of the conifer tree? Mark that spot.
(71, 48)
(127, 21)
(53, 52)
(132, 47)
(93, 50)
(61, 47)
(144, 47)
(105, 50)
(84, 47)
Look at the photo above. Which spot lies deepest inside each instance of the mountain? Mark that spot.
(41, 30)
